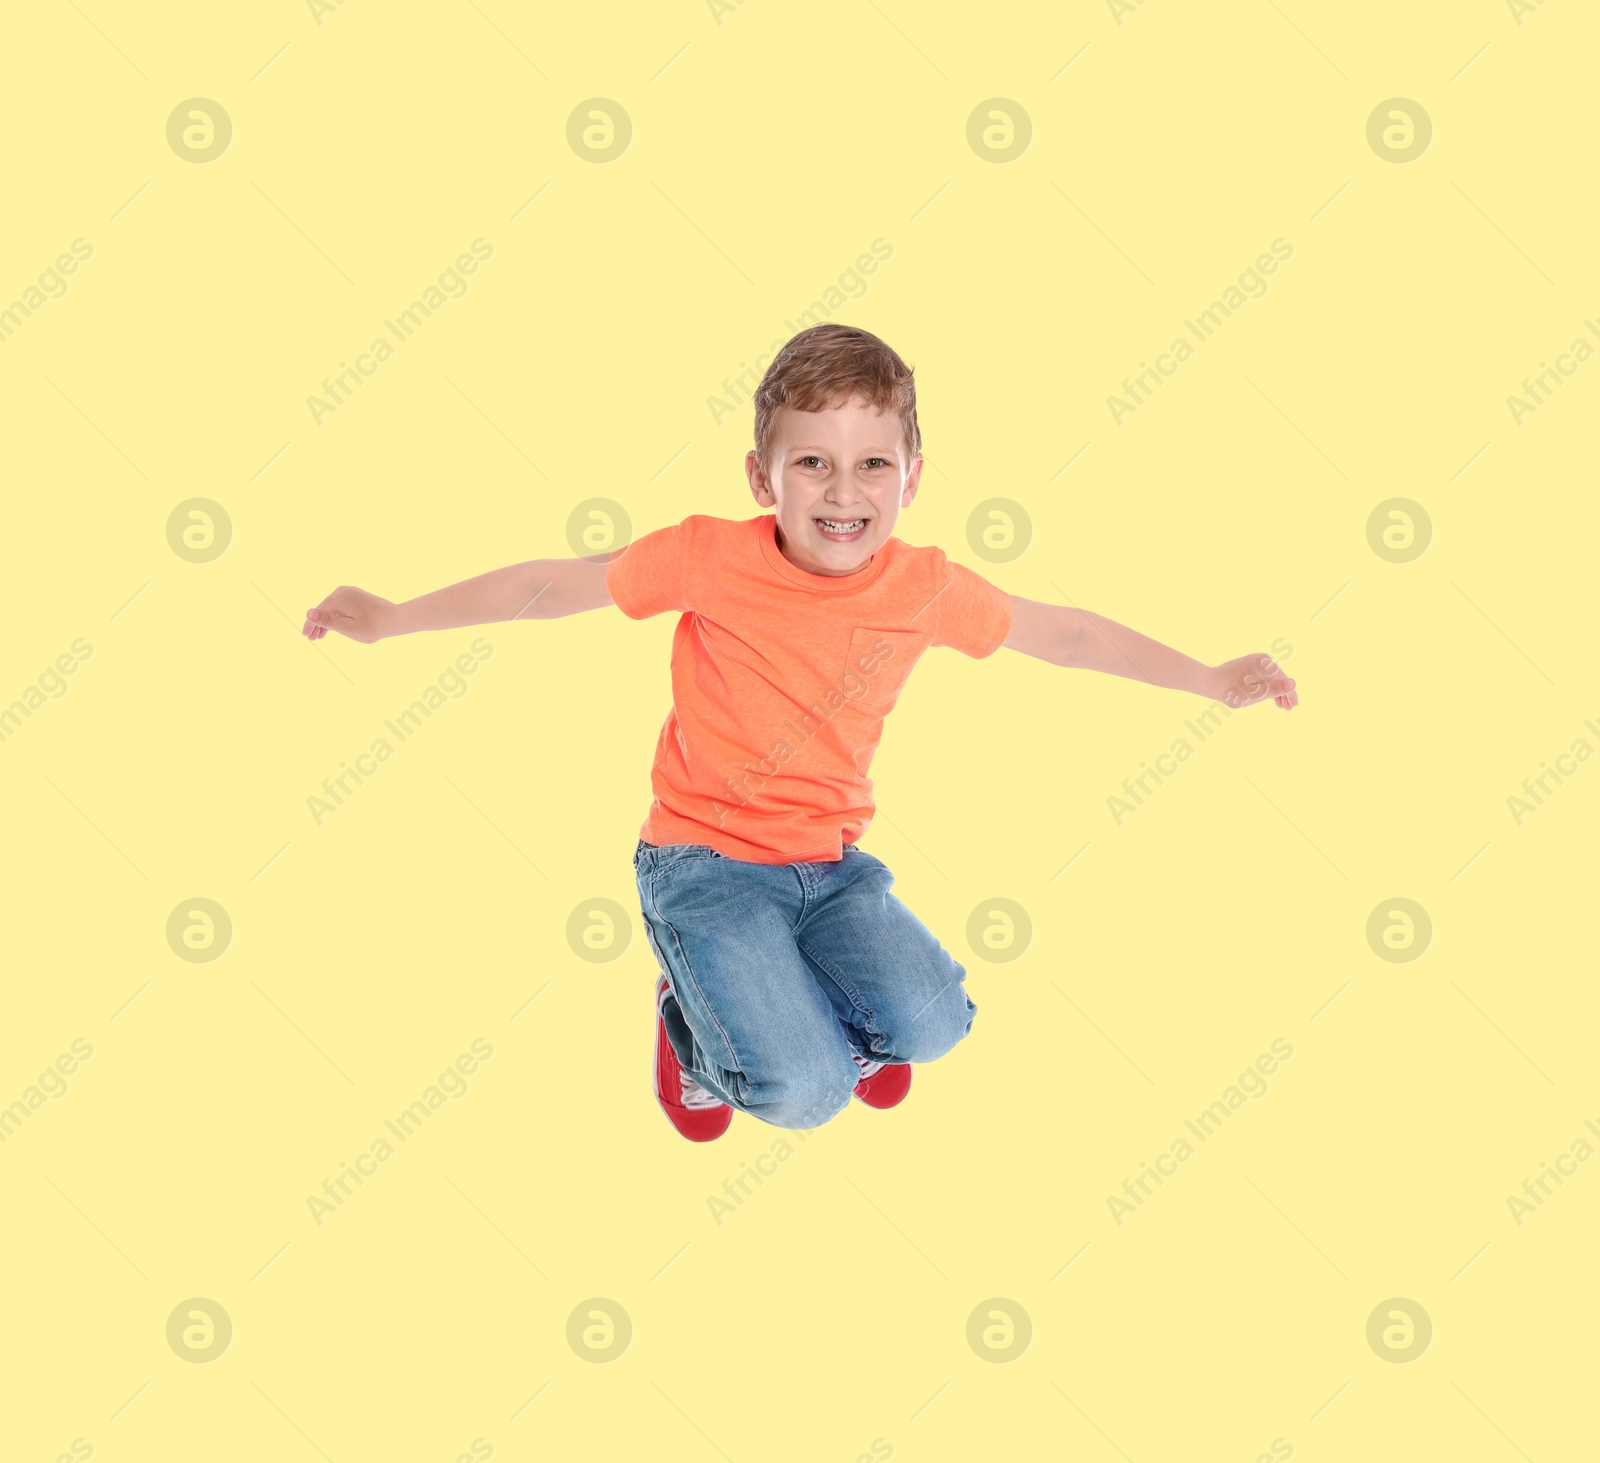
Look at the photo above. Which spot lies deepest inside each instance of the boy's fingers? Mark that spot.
(320, 620)
(1271, 683)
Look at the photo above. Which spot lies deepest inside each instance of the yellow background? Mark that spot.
(769, 149)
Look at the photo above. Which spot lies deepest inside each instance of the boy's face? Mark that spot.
(844, 465)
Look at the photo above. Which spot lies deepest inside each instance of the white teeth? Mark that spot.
(833, 525)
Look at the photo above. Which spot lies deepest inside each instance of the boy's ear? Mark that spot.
(913, 482)
(760, 485)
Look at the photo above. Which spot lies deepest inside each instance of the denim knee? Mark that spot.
(930, 1033)
(803, 1096)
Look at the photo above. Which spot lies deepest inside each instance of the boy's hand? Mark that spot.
(353, 612)
(1253, 678)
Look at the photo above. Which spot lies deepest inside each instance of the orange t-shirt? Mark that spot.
(781, 678)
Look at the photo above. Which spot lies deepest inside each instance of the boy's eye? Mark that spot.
(880, 461)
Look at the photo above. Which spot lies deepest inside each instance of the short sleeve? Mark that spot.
(974, 615)
(648, 577)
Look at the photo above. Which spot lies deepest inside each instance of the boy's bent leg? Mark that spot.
(902, 996)
(745, 1015)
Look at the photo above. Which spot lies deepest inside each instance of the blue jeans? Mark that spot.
(777, 973)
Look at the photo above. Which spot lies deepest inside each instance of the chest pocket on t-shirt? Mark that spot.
(877, 665)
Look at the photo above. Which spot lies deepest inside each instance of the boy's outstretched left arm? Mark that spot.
(1067, 636)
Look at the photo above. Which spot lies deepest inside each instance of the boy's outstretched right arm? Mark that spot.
(541, 589)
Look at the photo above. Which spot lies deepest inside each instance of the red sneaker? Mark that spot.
(699, 1115)
(881, 1084)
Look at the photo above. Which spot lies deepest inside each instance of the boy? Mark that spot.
(791, 978)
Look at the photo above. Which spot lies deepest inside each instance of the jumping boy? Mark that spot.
(791, 977)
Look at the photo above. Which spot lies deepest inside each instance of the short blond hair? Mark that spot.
(828, 365)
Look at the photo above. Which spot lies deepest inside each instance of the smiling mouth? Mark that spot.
(840, 530)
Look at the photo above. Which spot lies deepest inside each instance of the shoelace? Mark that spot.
(694, 1095)
(868, 1068)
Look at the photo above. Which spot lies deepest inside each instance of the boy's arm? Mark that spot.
(1067, 636)
(541, 589)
